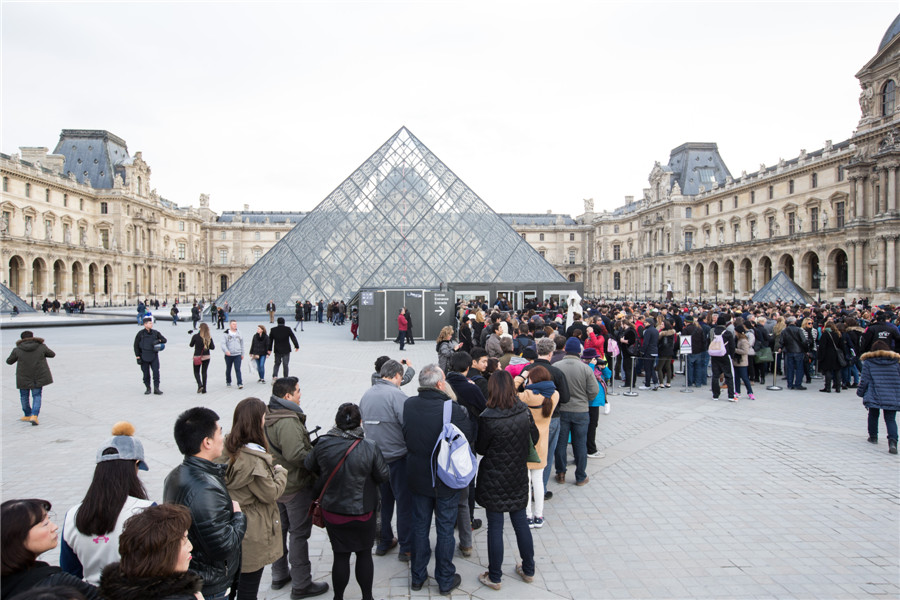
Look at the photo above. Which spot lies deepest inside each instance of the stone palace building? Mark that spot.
(84, 221)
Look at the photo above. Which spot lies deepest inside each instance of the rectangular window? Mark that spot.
(721, 206)
(814, 218)
(182, 282)
(688, 240)
(737, 232)
(571, 257)
(771, 226)
(524, 237)
(81, 204)
(752, 230)
(65, 200)
(223, 234)
(28, 190)
(6, 184)
(752, 197)
(840, 173)
(687, 213)
(542, 253)
(735, 202)
(182, 250)
(707, 209)
(47, 195)
(67, 233)
(29, 223)
(814, 180)
(277, 235)
(771, 192)
(223, 257)
(541, 237)
(617, 252)
(180, 225)
(82, 236)
(4, 223)
(104, 239)
(104, 208)
(791, 186)
(571, 237)
(839, 214)
(792, 223)
(257, 234)
(616, 228)
(48, 228)
(257, 254)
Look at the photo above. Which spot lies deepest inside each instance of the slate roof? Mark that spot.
(696, 164)
(94, 156)
(537, 219)
(891, 32)
(231, 216)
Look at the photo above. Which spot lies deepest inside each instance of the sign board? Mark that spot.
(367, 298)
(686, 346)
(441, 303)
(438, 312)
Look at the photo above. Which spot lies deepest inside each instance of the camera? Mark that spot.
(403, 361)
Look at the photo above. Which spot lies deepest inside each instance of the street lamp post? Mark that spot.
(32, 293)
(94, 292)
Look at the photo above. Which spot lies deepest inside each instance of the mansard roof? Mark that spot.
(94, 156)
(891, 32)
(537, 219)
(259, 217)
(696, 165)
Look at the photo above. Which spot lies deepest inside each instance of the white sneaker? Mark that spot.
(645, 387)
(606, 408)
(597, 455)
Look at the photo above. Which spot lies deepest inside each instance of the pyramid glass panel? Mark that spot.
(402, 219)
(782, 288)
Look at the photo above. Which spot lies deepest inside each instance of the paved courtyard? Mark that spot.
(775, 498)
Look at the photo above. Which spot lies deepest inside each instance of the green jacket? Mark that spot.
(32, 372)
(289, 443)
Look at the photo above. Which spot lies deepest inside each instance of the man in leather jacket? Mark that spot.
(145, 351)
(217, 523)
(793, 342)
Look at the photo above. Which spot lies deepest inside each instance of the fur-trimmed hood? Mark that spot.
(855, 328)
(666, 333)
(115, 586)
(893, 356)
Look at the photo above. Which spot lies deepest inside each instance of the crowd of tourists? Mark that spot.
(491, 421)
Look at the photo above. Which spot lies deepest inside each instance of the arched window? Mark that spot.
(541, 238)
(572, 277)
(887, 98)
(617, 281)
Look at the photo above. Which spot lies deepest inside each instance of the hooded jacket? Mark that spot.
(216, 531)
(289, 442)
(177, 586)
(381, 407)
(234, 343)
(829, 346)
(879, 330)
(354, 489)
(32, 370)
(880, 380)
(503, 441)
(582, 385)
(253, 482)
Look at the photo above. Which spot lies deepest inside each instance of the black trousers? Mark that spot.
(721, 365)
(146, 367)
(594, 416)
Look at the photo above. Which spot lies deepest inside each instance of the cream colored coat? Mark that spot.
(535, 402)
(253, 482)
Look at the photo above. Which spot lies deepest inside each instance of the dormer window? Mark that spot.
(887, 98)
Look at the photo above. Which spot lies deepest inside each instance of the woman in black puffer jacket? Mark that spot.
(348, 505)
(504, 429)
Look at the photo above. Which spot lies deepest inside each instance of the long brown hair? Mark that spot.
(205, 335)
(501, 391)
(151, 541)
(17, 517)
(537, 374)
(247, 427)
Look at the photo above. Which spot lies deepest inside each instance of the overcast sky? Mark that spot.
(534, 105)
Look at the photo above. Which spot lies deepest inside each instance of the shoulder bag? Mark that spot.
(315, 509)
(842, 360)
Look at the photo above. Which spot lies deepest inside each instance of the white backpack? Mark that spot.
(456, 465)
(717, 346)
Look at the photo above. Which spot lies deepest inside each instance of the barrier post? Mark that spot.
(775, 387)
(631, 391)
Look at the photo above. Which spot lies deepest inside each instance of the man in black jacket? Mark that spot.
(422, 424)
(879, 330)
(145, 350)
(723, 365)
(793, 342)
(217, 523)
(280, 339)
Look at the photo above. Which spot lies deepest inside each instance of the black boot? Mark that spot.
(892, 446)
(873, 439)
(147, 391)
(157, 391)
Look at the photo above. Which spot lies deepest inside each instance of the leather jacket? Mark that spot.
(216, 531)
(354, 489)
(792, 340)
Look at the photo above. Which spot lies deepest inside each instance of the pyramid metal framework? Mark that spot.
(8, 299)
(401, 220)
(782, 288)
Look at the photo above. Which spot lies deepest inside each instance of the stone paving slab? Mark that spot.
(775, 498)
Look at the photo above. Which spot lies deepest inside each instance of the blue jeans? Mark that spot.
(650, 377)
(401, 339)
(793, 368)
(261, 366)
(444, 511)
(236, 362)
(552, 439)
(695, 369)
(740, 374)
(575, 423)
(31, 409)
(850, 372)
(396, 490)
(495, 542)
(890, 422)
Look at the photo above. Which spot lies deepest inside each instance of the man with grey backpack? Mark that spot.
(423, 425)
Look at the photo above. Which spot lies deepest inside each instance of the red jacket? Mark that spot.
(401, 323)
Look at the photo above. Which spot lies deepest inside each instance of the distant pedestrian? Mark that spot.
(280, 339)
(234, 354)
(409, 329)
(270, 308)
(147, 345)
(202, 343)
(401, 328)
(174, 313)
(32, 373)
(259, 350)
(195, 316)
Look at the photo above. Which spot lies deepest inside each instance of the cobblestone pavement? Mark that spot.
(775, 498)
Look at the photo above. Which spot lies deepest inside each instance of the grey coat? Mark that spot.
(583, 386)
(382, 418)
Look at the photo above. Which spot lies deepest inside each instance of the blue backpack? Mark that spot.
(456, 464)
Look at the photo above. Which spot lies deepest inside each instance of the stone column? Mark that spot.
(891, 173)
(851, 204)
(880, 245)
(851, 265)
(860, 250)
(891, 263)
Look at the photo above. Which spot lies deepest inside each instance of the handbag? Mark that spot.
(197, 361)
(315, 509)
(842, 360)
(764, 355)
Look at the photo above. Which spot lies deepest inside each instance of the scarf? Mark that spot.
(544, 388)
(350, 434)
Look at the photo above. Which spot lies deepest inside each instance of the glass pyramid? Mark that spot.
(782, 288)
(8, 299)
(402, 220)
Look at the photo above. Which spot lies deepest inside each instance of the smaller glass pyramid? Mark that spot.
(402, 219)
(782, 288)
(8, 299)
